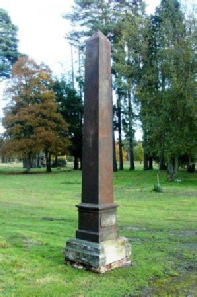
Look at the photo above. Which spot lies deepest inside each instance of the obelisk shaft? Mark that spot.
(97, 212)
(97, 143)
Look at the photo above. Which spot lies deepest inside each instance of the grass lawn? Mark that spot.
(38, 215)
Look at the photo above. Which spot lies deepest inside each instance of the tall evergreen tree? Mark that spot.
(167, 93)
(8, 44)
(127, 65)
(71, 108)
(110, 16)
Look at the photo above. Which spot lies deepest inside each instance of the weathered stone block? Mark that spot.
(98, 257)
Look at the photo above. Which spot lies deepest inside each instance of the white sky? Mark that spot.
(41, 31)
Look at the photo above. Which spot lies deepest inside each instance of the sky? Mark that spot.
(41, 31)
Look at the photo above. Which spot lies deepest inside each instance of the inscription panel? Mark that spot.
(108, 220)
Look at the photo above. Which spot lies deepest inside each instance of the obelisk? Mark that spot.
(97, 245)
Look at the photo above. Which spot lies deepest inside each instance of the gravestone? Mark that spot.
(97, 245)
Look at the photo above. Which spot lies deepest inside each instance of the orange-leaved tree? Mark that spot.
(32, 122)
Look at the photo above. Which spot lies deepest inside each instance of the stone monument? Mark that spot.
(97, 245)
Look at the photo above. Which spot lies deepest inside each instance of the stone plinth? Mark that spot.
(98, 257)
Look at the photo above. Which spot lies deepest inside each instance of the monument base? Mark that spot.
(98, 257)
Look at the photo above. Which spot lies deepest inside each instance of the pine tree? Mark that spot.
(8, 44)
(113, 18)
(167, 93)
(71, 109)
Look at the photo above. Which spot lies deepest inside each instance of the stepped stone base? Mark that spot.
(98, 257)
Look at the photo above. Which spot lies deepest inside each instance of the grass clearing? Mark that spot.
(38, 215)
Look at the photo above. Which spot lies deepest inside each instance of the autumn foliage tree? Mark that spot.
(32, 122)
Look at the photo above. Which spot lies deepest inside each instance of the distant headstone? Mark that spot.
(97, 245)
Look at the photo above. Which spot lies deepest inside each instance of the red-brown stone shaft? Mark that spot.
(97, 143)
(97, 212)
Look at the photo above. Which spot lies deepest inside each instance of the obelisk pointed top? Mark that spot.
(98, 34)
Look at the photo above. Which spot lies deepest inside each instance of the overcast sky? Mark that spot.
(41, 29)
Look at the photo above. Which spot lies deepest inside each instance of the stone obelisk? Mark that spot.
(97, 245)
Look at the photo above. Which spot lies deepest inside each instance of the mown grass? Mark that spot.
(38, 215)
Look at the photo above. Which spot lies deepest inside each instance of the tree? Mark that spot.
(112, 18)
(167, 94)
(127, 66)
(71, 107)
(124, 152)
(8, 44)
(139, 152)
(32, 122)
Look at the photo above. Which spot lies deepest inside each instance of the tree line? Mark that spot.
(154, 82)
(154, 74)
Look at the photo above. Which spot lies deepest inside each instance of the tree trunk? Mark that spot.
(48, 161)
(190, 166)
(27, 162)
(150, 163)
(145, 161)
(119, 112)
(172, 169)
(145, 152)
(76, 163)
(162, 165)
(56, 162)
(121, 165)
(115, 168)
(131, 154)
(38, 161)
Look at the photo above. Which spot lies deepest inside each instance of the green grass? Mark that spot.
(38, 215)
